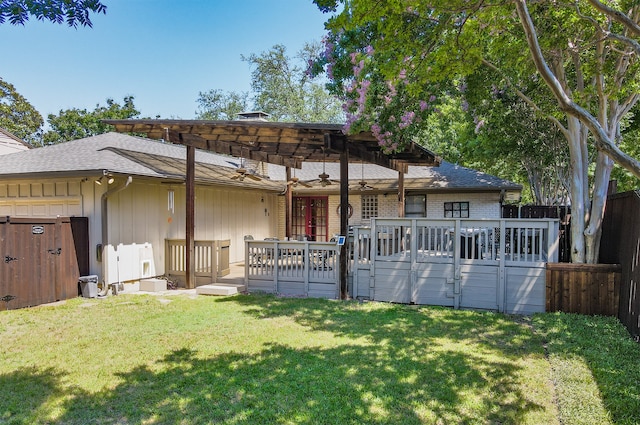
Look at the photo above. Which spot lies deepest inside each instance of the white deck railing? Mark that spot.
(297, 268)
(512, 240)
(211, 259)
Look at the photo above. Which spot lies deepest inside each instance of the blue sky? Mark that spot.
(163, 52)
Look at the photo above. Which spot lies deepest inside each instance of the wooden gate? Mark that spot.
(485, 264)
(38, 261)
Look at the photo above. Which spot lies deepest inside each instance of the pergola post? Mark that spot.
(190, 219)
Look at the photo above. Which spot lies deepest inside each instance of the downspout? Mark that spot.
(105, 222)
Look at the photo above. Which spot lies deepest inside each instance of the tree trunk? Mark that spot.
(592, 233)
(578, 201)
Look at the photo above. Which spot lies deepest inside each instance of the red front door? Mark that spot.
(310, 218)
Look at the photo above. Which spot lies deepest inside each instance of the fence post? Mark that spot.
(247, 260)
(553, 241)
(413, 247)
(374, 256)
(214, 261)
(356, 261)
(502, 287)
(274, 265)
(456, 265)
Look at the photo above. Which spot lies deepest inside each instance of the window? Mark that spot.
(415, 206)
(456, 210)
(369, 206)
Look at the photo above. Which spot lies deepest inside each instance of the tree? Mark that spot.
(392, 59)
(76, 123)
(281, 87)
(218, 105)
(510, 136)
(17, 115)
(71, 12)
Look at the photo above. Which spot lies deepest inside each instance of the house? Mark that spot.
(10, 143)
(446, 191)
(131, 190)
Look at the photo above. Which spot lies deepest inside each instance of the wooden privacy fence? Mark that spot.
(38, 261)
(621, 244)
(211, 260)
(583, 288)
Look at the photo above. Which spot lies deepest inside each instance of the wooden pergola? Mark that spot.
(286, 144)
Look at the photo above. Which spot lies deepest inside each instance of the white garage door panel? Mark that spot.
(39, 208)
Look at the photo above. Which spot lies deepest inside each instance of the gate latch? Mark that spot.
(8, 259)
(55, 251)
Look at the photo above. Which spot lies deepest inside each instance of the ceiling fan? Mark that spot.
(323, 178)
(362, 184)
(241, 172)
(294, 182)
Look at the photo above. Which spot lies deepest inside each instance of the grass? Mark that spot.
(135, 359)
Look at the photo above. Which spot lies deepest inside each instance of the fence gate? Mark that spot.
(38, 261)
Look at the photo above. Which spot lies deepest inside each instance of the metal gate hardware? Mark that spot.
(55, 251)
(8, 259)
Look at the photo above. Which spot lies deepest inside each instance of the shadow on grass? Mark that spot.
(285, 385)
(396, 377)
(23, 391)
(404, 327)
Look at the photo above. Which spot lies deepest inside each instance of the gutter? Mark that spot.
(105, 220)
(105, 211)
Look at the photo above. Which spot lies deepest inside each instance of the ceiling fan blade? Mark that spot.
(253, 177)
(304, 184)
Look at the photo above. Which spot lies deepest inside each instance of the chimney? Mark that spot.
(258, 167)
(253, 116)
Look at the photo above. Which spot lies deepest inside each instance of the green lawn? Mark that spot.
(136, 359)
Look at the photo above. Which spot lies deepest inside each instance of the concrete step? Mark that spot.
(218, 289)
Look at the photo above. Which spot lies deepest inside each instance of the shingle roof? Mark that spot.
(447, 176)
(123, 154)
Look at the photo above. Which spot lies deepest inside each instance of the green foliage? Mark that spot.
(282, 87)
(388, 57)
(76, 123)
(218, 105)
(17, 115)
(71, 12)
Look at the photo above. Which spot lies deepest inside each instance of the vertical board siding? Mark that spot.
(583, 288)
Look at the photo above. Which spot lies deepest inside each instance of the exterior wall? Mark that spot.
(56, 197)
(9, 145)
(481, 205)
(47, 198)
(139, 214)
